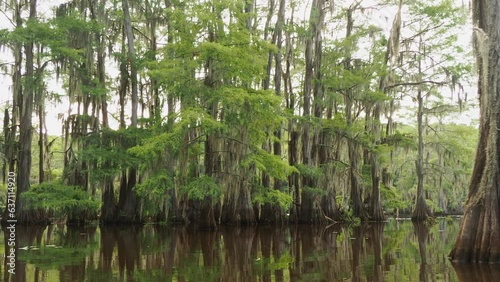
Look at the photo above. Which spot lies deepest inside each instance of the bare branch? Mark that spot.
(415, 83)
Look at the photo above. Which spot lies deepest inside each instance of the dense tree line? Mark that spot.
(238, 112)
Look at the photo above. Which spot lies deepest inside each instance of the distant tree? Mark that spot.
(422, 75)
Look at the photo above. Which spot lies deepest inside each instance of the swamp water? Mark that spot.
(392, 251)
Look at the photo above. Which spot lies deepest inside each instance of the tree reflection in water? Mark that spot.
(477, 272)
(422, 230)
(395, 251)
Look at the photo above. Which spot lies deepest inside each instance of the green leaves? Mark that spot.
(437, 11)
(265, 195)
(403, 140)
(309, 171)
(155, 186)
(392, 198)
(271, 164)
(59, 198)
(153, 191)
(202, 188)
(108, 149)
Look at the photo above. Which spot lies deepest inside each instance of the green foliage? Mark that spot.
(156, 185)
(59, 198)
(392, 199)
(265, 195)
(309, 171)
(315, 191)
(403, 140)
(436, 11)
(108, 149)
(271, 164)
(153, 191)
(202, 188)
(55, 147)
(213, 65)
(155, 144)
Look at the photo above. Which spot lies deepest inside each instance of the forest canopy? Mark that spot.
(237, 112)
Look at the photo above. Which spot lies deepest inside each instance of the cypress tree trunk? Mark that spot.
(478, 239)
(237, 207)
(355, 187)
(264, 211)
(25, 131)
(108, 208)
(11, 148)
(293, 179)
(328, 207)
(269, 212)
(171, 201)
(421, 211)
(352, 144)
(205, 216)
(203, 211)
(376, 212)
(41, 143)
(278, 38)
(309, 211)
(128, 205)
(293, 135)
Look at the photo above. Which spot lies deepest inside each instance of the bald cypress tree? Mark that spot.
(25, 105)
(478, 239)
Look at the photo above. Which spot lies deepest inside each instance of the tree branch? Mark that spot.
(415, 83)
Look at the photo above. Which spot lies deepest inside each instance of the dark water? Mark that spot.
(394, 251)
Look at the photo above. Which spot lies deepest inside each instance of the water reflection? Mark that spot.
(422, 230)
(394, 251)
(477, 272)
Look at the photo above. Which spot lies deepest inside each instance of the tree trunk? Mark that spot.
(25, 131)
(309, 204)
(376, 212)
(171, 209)
(274, 213)
(421, 211)
(478, 239)
(10, 129)
(128, 205)
(41, 143)
(108, 208)
(293, 179)
(131, 60)
(358, 210)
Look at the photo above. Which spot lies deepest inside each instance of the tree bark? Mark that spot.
(356, 198)
(128, 202)
(41, 143)
(108, 208)
(25, 130)
(132, 60)
(421, 211)
(309, 205)
(478, 240)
